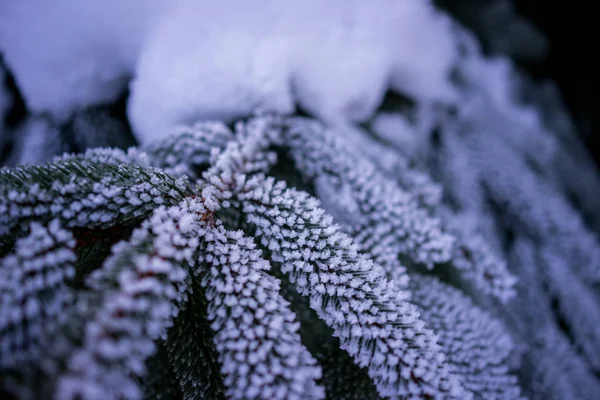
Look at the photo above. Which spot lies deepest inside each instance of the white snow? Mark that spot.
(38, 141)
(69, 54)
(334, 59)
(197, 60)
(396, 129)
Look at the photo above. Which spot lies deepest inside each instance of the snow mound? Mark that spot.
(334, 59)
(197, 59)
(69, 54)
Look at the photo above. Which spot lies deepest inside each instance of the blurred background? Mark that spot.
(549, 40)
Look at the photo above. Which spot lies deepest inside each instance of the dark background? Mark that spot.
(570, 59)
(572, 30)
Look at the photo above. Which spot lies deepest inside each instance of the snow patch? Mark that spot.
(199, 60)
(68, 54)
(335, 60)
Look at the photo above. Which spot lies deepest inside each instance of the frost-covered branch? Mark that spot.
(476, 344)
(376, 199)
(529, 200)
(374, 322)
(386, 221)
(83, 193)
(34, 293)
(257, 335)
(142, 285)
(577, 303)
(191, 351)
(479, 264)
(188, 148)
(551, 368)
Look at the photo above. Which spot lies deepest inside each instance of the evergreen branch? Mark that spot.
(577, 304)
(423, 188)
(34, 293)
(342, 378)
(477, 345)
(247, 155)
(380, 245)
(375, 324)
(188, 149)
(477, 262)
(160, 382)
(82, 193)
(369, 338)
(317, 152)
(349, 293)
(461, 181)
(471, 258)
(191, 351)
(141, 284)
(394, 163)
(509, 181)
(469, 219)
(551, 368)
(255, 332)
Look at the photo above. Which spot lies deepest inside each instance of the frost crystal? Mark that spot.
(188, 148)
(33, 292)
(349, 293)
(552, 368)
(140, 294)
(83, 193)
(476, 344)
(257, 337)
(411, 229)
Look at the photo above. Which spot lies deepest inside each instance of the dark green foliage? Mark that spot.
(199, 377)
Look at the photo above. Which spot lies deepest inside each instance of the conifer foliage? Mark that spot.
(439, 241)
(193, 229)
